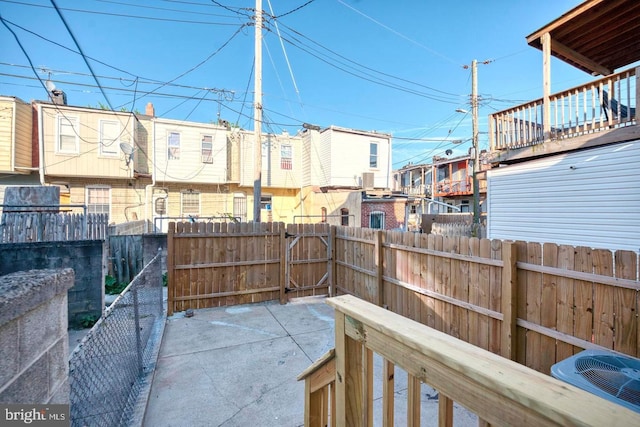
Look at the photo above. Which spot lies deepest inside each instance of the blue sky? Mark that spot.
(389, 66)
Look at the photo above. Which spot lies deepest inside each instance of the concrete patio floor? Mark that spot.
(237, 366)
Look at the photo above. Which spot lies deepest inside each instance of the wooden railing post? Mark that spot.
(171, 276)
(349, 390)
(509, 303)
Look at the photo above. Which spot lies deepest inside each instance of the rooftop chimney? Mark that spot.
(150, 111)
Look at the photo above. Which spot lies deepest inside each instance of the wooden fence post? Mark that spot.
(379, 248)
(170, 270)
(283, 263)
(509, 304)
(331, 254)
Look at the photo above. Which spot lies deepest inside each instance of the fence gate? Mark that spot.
(308, 260)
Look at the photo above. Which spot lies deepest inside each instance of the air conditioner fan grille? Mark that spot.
(615, 375)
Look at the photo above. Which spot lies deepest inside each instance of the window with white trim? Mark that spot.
(109, 137)
(286, 157)
(68, 141)
(376, 220)
(173, 146)
(207, 149)
(190, 203)
(99, 200)
(373, 155)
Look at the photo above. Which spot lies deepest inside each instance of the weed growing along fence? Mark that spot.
(111, 367)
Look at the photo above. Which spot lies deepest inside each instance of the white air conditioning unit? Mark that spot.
(367, 180)
(612, 376)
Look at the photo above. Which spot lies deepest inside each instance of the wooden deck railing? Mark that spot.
(499, 391)
(609, 102)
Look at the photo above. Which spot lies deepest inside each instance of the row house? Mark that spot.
(138, 166)
(565, 166)
(17, 164)
(443, 186)
(344, 170)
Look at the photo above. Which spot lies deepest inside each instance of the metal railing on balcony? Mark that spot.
(606, 103)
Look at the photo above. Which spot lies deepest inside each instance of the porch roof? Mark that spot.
(597, 36)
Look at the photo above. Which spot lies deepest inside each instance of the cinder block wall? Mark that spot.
(86, 257)
(34, 365)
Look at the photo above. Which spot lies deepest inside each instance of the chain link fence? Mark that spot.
(112, 366)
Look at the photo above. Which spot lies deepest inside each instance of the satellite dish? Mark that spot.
(126, 148)
(448, 152)
(50, 86)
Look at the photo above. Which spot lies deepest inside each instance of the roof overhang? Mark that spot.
(597, 36)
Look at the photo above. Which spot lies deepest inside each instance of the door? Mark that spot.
(308, 260)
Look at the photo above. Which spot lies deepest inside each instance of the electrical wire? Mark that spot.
(121, 15)
(84, 58)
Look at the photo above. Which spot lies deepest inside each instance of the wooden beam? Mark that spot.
(284, 259)
(546, 85)
(559, 48)
(171, 272)
(604, 137)
(572, 14)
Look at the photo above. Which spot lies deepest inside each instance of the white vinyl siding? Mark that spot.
(68, 131)
(587, 198)
(109, 138)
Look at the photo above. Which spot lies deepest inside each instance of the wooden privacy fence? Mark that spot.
(49, 227)
(217, 264)
(530, 302)
(533, 303)
(125, 257)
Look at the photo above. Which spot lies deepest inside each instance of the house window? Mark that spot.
(286, 161)
(413, 209)
(190, 202)
(68, 139)
(323, 214)
(173, 143)
(265, 202)
(373, 155)
(344, 213)
(376, 220)
(207, 149)
(109, 138)
(98, 200)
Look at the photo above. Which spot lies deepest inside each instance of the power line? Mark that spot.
(361, 65)
(293, 10)
(122, 15)
(84, 58)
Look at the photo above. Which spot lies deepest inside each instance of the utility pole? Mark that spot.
(476, 148)
(257, 116)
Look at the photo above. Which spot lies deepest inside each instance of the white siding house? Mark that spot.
(189, 152)
(585, 198)
(282, 160)
(340, 157)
